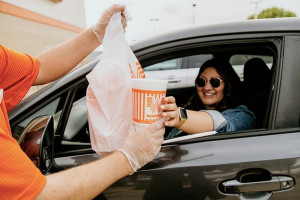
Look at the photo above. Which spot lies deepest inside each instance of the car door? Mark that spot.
(216, 168)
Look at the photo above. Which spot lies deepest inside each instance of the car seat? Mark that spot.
(257, 82)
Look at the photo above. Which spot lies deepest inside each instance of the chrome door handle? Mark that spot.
(277, 183)
(1, 95)
(173, 81)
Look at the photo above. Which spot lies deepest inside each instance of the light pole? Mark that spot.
(154, 20)
(194, 20)
(255, 2)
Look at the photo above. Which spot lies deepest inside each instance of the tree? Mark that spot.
(273, 12)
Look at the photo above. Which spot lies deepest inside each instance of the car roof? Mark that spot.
(291, 24)
(247, 26)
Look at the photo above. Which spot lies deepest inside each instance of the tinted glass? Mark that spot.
(238, 61)
(49, 109)
(166, 65)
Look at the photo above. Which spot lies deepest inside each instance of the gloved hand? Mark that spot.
(140, 147)
(100, 26)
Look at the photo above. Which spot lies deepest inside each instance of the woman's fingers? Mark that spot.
(169, 99)
(168, 104)
(168, 107)
(170, 112)
(171, 121)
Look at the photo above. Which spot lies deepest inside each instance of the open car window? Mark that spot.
(237, 55)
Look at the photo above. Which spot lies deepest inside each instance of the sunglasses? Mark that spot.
(214, 81)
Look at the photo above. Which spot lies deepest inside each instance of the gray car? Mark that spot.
(262, 163)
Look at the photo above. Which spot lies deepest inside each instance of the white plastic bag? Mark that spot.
(109, 100)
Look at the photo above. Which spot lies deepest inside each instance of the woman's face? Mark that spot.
(210, 95)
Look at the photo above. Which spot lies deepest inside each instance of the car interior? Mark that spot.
(257, 82)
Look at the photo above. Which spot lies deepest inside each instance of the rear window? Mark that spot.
(238, 61)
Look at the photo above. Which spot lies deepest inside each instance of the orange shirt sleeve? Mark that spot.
(19, 178)
(18, 71)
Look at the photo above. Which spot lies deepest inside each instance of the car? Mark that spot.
(261, 163)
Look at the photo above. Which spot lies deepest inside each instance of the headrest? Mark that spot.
(257, 75)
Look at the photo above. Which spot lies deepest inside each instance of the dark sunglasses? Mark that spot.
(214, 81)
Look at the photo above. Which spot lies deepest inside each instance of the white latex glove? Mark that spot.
(100, 26)
(140, 147)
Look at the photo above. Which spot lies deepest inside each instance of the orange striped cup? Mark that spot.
(146, 99)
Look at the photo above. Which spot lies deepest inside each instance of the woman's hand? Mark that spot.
(170, 112)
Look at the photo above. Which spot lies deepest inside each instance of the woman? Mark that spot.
(213, 106)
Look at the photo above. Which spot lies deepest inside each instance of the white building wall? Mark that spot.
(33, 36)
(68, 11)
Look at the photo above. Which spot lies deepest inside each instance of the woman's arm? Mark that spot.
(197, 121)
(234, 119)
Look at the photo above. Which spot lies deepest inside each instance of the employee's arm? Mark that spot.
(59, 60)
(86, 181)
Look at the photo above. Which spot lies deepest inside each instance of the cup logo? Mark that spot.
(137, 71)
(146, 105)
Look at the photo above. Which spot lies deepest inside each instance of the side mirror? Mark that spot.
(37, 142)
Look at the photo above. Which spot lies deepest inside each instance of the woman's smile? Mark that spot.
(209, 95)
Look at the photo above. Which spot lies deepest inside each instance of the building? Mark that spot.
(33, 25)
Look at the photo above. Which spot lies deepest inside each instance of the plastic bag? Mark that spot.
(109, 98)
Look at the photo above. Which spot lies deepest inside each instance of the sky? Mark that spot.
(152, 17)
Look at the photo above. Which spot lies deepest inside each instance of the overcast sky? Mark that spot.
(157, 16)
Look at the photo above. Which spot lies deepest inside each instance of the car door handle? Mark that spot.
(276, 183)
(174, 81)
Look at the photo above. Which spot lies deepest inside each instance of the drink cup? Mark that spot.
(146, 100)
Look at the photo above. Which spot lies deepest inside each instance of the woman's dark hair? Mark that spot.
(232, 86)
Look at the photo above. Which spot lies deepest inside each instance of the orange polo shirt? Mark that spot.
(19, 178)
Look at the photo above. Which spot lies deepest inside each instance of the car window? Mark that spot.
(257, 100)
(196, 61)
(179, 72)
(49, 109)
(165, 65)
(239, 60)
(77, 125)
